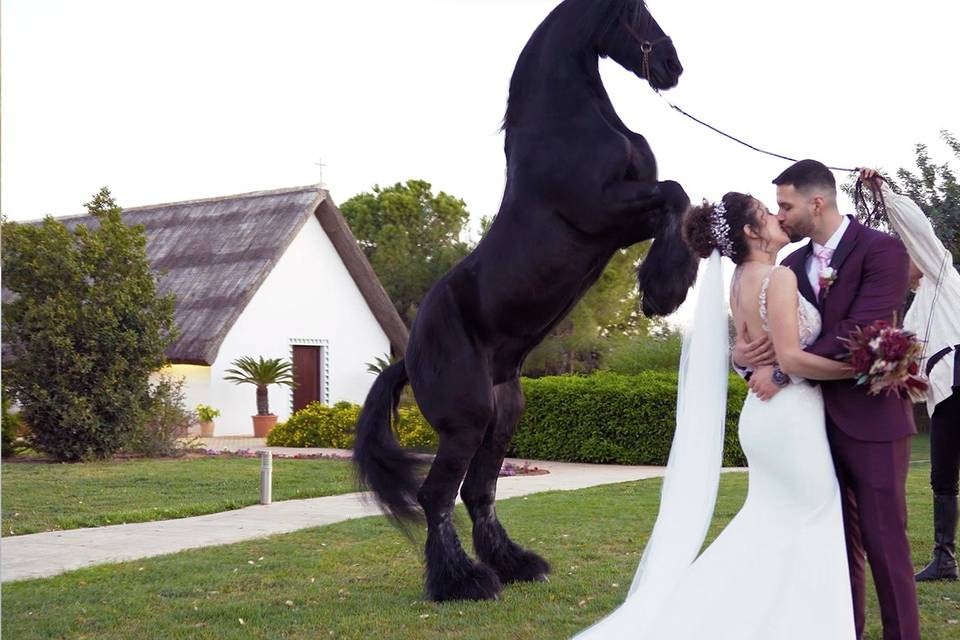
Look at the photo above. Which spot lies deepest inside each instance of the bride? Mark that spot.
(779, 569)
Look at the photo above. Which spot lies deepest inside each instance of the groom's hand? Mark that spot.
(751, 354)
(762, 384)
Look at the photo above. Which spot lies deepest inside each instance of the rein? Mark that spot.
(646, 46)
(738, 140)
(872, 214)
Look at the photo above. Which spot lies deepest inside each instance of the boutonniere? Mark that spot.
(828, 275)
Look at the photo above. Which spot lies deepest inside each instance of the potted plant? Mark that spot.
(206, 414)
(261, 373)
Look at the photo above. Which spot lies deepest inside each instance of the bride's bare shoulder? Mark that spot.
(783, 281)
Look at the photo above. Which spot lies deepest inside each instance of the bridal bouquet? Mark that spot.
(887, 359)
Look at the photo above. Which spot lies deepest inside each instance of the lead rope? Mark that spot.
(734, 138)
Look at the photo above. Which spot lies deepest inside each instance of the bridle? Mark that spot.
(646, 46)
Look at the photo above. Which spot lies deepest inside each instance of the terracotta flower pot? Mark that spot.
(263, 424)
(206, 429)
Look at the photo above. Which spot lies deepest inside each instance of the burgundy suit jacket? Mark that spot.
(871, 284)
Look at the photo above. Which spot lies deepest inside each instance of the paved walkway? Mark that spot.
(46, 554)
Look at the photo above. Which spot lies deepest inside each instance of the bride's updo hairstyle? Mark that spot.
(720, 226)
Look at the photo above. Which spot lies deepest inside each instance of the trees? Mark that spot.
(604, 319)
(410, 236)
(935, 190)
(84, 329)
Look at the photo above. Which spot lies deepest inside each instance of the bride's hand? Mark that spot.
(762, 384)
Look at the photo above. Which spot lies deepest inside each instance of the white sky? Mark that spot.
(173, 100)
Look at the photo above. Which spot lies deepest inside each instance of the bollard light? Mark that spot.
(266, 477)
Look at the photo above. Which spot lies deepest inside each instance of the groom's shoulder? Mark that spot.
(879, 241)
(877, 249)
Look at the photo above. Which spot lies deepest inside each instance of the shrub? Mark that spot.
(610, 418)
(317, 425)
(85, 328)
(166, 423)
(414, 431)
(11, 429)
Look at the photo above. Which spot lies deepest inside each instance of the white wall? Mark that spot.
(308, 295)
(196, 386)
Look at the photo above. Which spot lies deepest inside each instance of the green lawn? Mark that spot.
(920, 448)
(362, 579)
(43, 497)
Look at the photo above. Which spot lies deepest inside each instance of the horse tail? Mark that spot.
(382, 464)
(670, 268)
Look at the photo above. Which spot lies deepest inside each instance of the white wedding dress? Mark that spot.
(778, 571)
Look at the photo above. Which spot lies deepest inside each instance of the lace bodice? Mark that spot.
(807, 314)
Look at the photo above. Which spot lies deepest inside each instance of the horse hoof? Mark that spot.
(526, 567)
(475, 582)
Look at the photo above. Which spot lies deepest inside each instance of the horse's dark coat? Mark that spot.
(580, 186)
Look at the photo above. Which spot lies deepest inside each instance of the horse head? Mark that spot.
(632, 38)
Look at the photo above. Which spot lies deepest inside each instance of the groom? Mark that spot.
(855, 276)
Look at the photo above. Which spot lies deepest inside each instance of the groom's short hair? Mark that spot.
(807, 174)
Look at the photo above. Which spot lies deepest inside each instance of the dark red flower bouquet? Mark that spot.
(887, 359)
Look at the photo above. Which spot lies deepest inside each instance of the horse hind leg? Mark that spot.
(511, 562)
(450, 573)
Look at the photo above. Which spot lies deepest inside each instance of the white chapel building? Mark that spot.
(276, 274)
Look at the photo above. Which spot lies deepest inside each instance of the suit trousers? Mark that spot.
(872, 477)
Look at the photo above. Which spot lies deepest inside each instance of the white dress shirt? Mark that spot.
(813, 265)
(934, 314)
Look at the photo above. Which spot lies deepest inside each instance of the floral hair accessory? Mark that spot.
(720, 230)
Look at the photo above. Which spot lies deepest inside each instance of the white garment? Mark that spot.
(778, 571)
(934, 314)
(813, 265)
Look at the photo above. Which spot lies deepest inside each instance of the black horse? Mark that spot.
(580, 186)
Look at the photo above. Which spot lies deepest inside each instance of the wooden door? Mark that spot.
(308, 375)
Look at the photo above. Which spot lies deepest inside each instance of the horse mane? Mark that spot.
(581, 25)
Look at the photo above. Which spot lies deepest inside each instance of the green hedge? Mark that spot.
(603, 417)
(611, 418)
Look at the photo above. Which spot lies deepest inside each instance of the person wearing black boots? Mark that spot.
(944, 471)
(934, 316)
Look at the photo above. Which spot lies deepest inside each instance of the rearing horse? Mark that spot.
(580, 186)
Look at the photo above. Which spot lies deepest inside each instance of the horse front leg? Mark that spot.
(645, 197)
(670, 267)
(641, 208)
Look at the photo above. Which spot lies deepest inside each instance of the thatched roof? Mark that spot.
(215, 253)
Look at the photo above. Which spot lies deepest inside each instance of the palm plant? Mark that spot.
(380, 364)
(261, 372)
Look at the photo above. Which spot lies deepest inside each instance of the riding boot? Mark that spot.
(944, 564)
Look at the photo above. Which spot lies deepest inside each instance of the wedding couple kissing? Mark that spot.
(827, 462)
